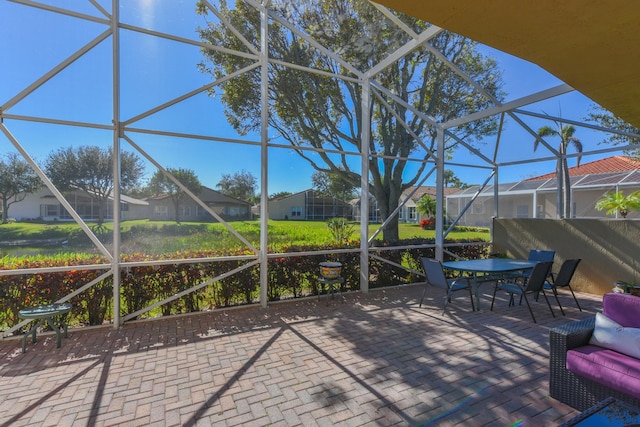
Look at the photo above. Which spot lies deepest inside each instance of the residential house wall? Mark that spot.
(43, 205)
(408, 213)
(309, 205)
(162, 208)
(481, 212)
(538, 197)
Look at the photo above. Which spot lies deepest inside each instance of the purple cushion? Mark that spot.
(606, 367)
(622, 308)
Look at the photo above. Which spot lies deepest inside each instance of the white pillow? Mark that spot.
(609, 334)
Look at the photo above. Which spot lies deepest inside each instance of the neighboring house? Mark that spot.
(162, 208)
(308, 205)
(409, 212)
(43, 205)
(538, 197)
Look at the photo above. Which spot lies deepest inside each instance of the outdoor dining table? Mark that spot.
(488, 268)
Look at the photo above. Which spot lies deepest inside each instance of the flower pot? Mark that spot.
(330, 270)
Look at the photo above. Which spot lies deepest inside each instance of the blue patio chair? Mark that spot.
(436, 277)
(534, 255)
(533, 285)
(563, 280)
(540, 255)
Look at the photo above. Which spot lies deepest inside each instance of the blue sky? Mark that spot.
(155, 70)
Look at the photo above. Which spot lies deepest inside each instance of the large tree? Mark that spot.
(565, 133)
(160, 183)
(241, 185)
(17, 179)
(629, 134)
(90, 169)
(332, 184)
(280, 195)
(320, 111)
(451, 180)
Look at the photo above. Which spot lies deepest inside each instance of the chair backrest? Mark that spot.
(566, 272)
(538, 276)
(543, 256)
(435, 273)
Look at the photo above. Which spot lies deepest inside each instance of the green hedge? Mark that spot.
(289, 277)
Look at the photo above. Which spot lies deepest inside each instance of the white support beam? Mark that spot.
(511, 105)
(408, 47)
(365, 136)
(440, 195)
(264, 155)
(115, 261)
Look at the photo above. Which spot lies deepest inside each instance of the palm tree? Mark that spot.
(426, 206)
(565, 132)
(618, 202)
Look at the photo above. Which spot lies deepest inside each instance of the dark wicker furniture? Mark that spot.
(567, 387)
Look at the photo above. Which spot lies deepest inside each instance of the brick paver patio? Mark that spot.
(374, 360)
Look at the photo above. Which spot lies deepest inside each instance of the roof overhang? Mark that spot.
(591, 45)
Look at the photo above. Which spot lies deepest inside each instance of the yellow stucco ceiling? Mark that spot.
(592, 45)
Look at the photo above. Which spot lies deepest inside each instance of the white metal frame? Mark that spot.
(124, 129)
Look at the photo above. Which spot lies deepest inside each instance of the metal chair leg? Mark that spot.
(574, 298)
(424, 292)
(473, 308)
(555, 294)
(495, 289)
(548, 304)
(530, 310)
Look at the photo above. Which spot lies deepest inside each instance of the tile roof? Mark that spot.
(428, 190)
(607, 165)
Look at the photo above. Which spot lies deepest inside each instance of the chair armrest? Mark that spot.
(571, 335)
(578, 392)
(561, 339)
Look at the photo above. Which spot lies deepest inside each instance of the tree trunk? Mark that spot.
(387, 204)
(5, 207)
(177, 206)
(100, 213)
(391, 234)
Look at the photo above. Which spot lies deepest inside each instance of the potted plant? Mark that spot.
(617, 202)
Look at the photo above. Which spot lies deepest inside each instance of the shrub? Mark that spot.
(341, 230)
(143, 286)
(427, 224)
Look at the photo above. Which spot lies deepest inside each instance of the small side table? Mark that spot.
(610, 412)
(332, 286)
(45, 313)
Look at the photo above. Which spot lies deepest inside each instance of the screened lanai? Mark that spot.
(167, 83)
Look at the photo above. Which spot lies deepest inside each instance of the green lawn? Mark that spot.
(165, 236)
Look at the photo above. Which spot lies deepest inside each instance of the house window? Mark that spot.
(185, 211)
(522, 211)
(540, 211)
(49, 210)
(161, 210)
(412, 213)
(296, 212)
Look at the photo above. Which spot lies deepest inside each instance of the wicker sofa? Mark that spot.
(580, 392)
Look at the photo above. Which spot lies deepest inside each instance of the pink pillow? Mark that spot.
(623, 309)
